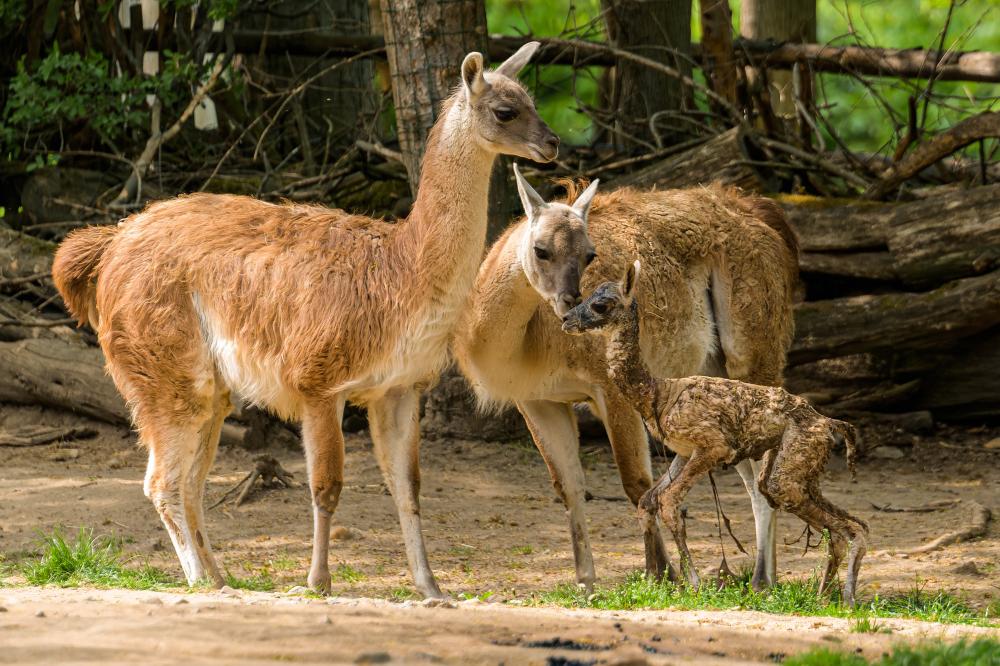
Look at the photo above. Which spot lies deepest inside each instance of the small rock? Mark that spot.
(968, 568)
(180, 602)
(40, 614)
(437, 603)
(409, 603)
(298, 589)
(229, 591)
(992, 444)
(886, 453)
(341, 533)
(374, 658)
(154, 601)
(327, 620)
(60, 455)
(3, 609)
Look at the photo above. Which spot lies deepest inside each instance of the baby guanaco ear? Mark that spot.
(513, 65)
(472, 76)
(530, 199)
(582, 203)
(628, 282)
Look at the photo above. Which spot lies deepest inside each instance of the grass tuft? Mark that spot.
(787, 598)
(402, 593)
(345, 573)
(256, 582)
(90, 560)
(983, 652)
(868, 625)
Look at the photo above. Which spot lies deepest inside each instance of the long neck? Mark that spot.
(626, 367)
(505, 304)
(447, 227)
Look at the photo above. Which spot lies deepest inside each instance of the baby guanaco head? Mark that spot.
(610, 306)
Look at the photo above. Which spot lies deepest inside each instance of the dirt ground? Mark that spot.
(491, 525)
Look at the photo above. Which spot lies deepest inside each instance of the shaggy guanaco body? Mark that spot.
(714, 421)
(298, 308)
(721, 267)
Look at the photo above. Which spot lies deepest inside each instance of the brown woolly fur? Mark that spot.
(75, 268)
(716, 299)
(298, 308)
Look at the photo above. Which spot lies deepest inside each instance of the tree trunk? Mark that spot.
(781, 21)
(642, 99)
(717, 56)
(425, 42)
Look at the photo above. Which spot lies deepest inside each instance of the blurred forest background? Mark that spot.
(873, 122)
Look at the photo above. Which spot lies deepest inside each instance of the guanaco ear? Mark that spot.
(628, 282)
(513, 65)
(582, 203)
(530, 199)
(472, 76)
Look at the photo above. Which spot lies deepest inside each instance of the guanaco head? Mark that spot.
(502, 114)
(555, 249)
(611, 305)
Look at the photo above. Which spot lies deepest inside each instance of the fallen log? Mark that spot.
(24, 259)
(963, 384)
(723, 159)
(41, 435)
(893, 322)
(67, 374)
(921, 243)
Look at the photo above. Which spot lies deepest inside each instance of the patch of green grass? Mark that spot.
(402, 593)
(345, 573)
(257, 582)
(868, 625)
(983, 652)
(482, 596)
(787, 598)
(90, 560)
(522, 550)
(284, 562)
(6, 569)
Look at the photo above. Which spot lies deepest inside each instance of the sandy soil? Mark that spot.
(492, 526)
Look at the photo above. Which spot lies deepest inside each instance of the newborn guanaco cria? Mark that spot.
(715, 421)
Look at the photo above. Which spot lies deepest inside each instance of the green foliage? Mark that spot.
(91, 560)
(11, 13)
(67, 90)
(856, 112)
(983, 652)
(788, 597)
(258, 582)
(345, 573)
(555, 88)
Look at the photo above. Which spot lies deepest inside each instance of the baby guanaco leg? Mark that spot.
(669, 496)
(793, 485)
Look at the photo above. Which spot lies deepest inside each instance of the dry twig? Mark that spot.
(976, 527)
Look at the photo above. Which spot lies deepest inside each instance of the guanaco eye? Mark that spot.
(600, 307)
(590, 257)
(542, 253)
(505, 114)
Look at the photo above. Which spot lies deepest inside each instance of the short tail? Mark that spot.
(849, 435)
(76, 266)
